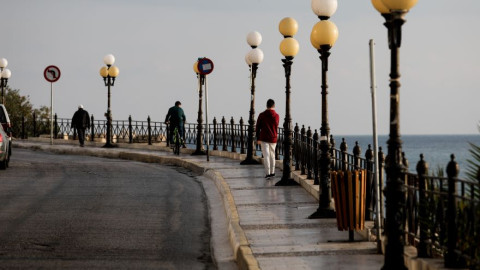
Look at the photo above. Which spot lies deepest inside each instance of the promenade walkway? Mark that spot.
(267, 225)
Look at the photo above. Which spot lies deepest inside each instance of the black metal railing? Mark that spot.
(442, 213)
(443, 216)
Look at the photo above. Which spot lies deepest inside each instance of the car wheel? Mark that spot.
(4, 163)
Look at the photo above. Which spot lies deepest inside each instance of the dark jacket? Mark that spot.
(176, 116)
(267, 126)
(81, 119)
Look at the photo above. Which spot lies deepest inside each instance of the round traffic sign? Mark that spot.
(51, 73)
(205, 66)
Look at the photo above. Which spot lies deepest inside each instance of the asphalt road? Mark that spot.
(60, 211)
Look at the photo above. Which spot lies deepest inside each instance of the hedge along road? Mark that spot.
(62, 211)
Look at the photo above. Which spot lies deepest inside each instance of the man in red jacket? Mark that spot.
(266, 129)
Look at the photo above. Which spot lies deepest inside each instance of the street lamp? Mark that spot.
(109, 73)
(5, 74)
(289, 48)
(253, 58)
(394, 12)
(323, 36)
(201, 81)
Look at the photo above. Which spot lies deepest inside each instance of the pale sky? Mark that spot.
(156, 42)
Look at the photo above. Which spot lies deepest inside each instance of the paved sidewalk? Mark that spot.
(268, 225)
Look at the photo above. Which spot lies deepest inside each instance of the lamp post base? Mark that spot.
(323, 213)
(249, 161)
(286, 182)
(110, 145)
(199, 153)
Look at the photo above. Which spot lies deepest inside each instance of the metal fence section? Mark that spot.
(443, 216)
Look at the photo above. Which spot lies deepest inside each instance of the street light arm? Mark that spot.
(287, 64)
(324, 52)
(254, 68)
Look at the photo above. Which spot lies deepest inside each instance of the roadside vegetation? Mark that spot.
(18, 107)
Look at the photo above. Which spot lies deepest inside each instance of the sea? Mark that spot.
(436, 149)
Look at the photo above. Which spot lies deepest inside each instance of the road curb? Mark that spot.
(241, 247)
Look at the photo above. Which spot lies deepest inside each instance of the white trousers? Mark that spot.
(268, 151)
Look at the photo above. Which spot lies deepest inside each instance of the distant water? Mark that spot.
(435, 148)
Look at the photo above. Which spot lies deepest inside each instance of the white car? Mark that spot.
(4, 149)
(7, 126)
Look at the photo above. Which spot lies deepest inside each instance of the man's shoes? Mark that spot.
(271, 175)
(267, 176)
(81, 145)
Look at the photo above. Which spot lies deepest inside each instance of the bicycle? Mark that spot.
(177, 141)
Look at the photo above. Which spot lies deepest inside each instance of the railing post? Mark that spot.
(149, 130)
(302, 146)
(242, 147)
(370, 205)
(381, 174)
(168, 134)
(343, 149)
(55, 128)
(422, 171)
(404, 160)
(23, 128)
(357, 151)
(130, 129)
(215, 147)
(224, 134)
(296, 147)
(34, 124)
(451, 258)
(309, 153)
(277, 151)
(232, 135)
(316, 180)
(333, 154)
(92, 129)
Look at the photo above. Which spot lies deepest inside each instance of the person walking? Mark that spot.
(176, 118)
(266, 132)
(81, 121)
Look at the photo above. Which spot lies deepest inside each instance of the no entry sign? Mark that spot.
(205, 66)
(52, 73)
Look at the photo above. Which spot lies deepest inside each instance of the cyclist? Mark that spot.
(176, 118)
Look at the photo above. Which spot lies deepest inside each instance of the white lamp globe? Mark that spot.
(254, 39)
(109, 59)
(247, 59)
(3, 62)
(324, 8)
(6, 73)
(255, 56)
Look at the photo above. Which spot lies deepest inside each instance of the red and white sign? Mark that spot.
(205, 66)
(52, 73)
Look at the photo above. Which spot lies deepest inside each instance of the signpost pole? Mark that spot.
(205, 67)
(51, 113)
(207, 137)
(52, 74)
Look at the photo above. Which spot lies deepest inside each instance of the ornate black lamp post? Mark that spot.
(323, 36)
(201, 81)
(394, 12)
(109, 73)
(5, 74)
(253, 59)
(289, 48)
